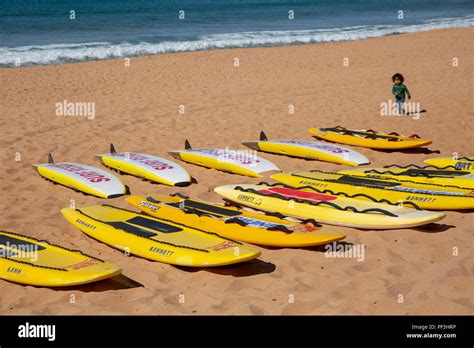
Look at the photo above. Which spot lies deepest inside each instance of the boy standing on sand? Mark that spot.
(399, 90)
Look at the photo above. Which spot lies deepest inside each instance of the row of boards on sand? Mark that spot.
(33, 262)
(103, 184)
(448, 177)
(100, 183)
(182, 232)
(187, 232)
(248, 164)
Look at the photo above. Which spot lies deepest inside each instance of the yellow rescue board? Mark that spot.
(146, 166)
(419, 175)
(325, 208)
(29, 261)
(234, 223)
(461, 163)
(368, 138)
(83, 178)
(157, 239)
(309, 150)
(231, 161)
(433, 197)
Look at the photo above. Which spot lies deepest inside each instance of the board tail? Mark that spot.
(263, 136)
(50, 159)
(112, 149)
(187, 145)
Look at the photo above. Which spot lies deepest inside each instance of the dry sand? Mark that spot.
(137, 109)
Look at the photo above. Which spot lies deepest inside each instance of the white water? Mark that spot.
(62, 53)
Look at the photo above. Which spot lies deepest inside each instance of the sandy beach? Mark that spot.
(137, 107)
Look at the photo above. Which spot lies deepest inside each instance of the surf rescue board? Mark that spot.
(157, 239)
(314, 150)
(30, 261)
(145, 166)
(432, 197)
(461, 163)
(326, 208)
(417, 174)
(234, 223)
(232, 161)
(81, 177)
(369, 138)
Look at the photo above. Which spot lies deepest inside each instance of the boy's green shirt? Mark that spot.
(400, 90)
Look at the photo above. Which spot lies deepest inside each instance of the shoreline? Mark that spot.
(138, 109)
(235, 48)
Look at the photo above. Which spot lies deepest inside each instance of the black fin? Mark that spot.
(112, 149)
(50, 159)
(263, 136)
(187, 145)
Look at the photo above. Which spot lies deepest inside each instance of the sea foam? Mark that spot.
(66, 53)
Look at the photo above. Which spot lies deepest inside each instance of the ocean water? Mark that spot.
(39, 32)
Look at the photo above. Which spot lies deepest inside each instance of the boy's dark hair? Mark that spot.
(398, 76)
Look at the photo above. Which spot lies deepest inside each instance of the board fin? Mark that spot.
(112, 149)
(50, 159)
(187, 145)
(263, 136)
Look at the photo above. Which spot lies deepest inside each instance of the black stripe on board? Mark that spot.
(19, 244)
(153, 224)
